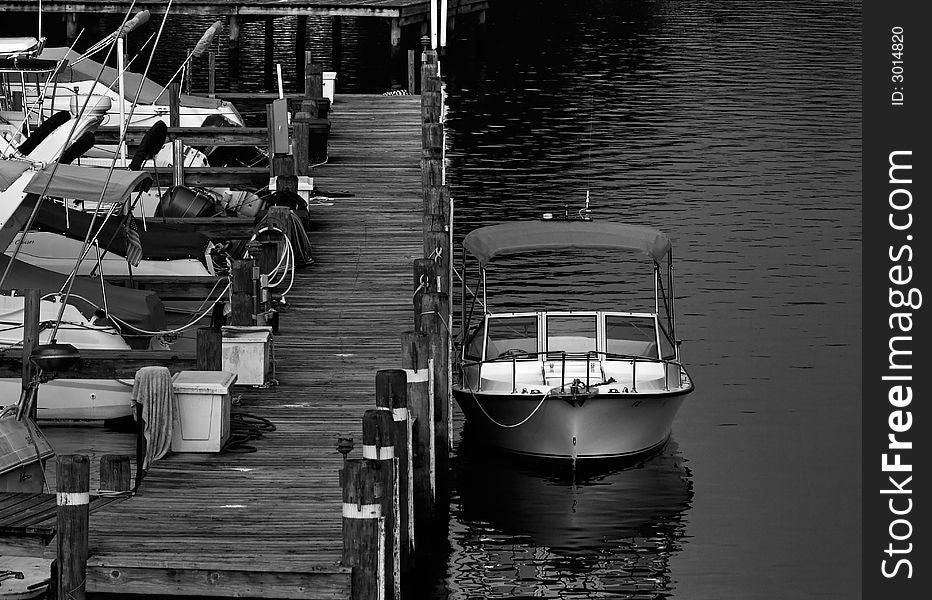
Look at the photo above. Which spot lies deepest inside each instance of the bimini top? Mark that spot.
(487, 243)
(86, 183)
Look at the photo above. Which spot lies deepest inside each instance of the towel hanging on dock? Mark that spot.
(152, 388)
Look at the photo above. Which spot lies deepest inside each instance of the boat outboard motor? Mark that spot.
(42, 131)
(78, 148)
(181, 201)
(150, 145)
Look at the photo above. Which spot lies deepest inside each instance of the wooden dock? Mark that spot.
(269, 522)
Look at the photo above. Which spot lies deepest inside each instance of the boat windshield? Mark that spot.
(572, 333)
(630, 335)
(516, 333)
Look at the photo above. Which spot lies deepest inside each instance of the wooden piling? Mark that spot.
(301, 142)
(242, 292)
(415, 353)
(174, 120)
(300, 47)
(336, 38)
(314, 78)
(71, 25)
(363, 529)
(269, 54)
(31, 310)
(391, 393)
(115, 473)
(412, 77)
(209, 347)
(434, 322)
(394, 58)
(427, 278)
(233, 49)
(378, 445)
(212, 73)
(72, 474)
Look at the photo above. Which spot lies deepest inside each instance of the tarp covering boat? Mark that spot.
(10, 170)
(87, 183)
(160, 241)
(504, 239)
(87, 70)
(140, 308)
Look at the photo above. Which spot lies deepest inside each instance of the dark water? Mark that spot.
(734, 126)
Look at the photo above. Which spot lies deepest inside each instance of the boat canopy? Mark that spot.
(88, 70)
(504, 239)
(86, 183)
(10, 170)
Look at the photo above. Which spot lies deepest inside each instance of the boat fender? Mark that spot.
(42, 131)
(77, 149)
(150, 145)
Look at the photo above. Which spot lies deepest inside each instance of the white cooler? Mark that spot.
(247, 351)
(329, 85)
(203, 401)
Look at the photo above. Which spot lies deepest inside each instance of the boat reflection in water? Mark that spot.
(523, 529)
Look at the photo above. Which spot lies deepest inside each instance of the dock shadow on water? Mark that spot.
(522, 528)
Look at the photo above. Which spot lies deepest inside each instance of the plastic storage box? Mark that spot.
(329, 85)
(203, 402)
(247, 351)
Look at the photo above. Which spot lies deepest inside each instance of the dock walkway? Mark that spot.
(268, 523)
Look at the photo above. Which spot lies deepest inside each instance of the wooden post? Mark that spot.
(301, 141)
(426, 279)
(412, 78)
(233, 67)
(415, 354)
(336, 37)
(268, 64)
(283, 168)
(391, 393)
(212, 73)
(300, 45)
(378, 445)
(434, 322)
(174, 120)
(188, 72)
(115, 473)
(363, 529)
(314, 82)
(71, 25)
(72, 474)
(31, 310)
(242, 293)
(394, 58)
(209, 346)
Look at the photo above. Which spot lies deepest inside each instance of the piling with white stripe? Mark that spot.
(415, 352)
(391, 393)
(72, 474)
(378, 446)
(363, 529)
(434, 323)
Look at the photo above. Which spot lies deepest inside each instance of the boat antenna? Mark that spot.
(589, 153)
(40, 20)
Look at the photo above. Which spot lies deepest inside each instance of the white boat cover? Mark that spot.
(86, 183)
(504, 239)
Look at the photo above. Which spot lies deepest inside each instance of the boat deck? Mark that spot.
(269, 522)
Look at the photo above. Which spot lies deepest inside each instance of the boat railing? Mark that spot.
(562, 355)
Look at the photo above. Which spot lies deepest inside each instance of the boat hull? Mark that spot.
(77, 399)
(581, 427)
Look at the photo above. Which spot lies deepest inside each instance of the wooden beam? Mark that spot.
(111, 364)
(193, 136)
(173, 288)
(105, 575)
(249, 178)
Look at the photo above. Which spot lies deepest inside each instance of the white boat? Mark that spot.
(573, 384)
(67, 399)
